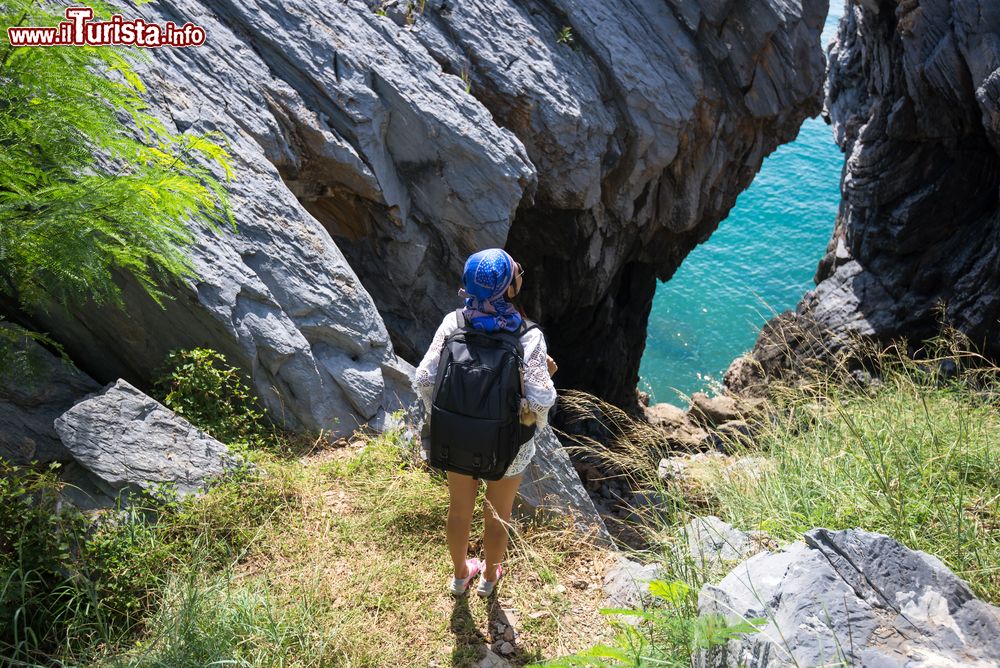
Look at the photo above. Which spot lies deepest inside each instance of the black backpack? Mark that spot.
(475, 413)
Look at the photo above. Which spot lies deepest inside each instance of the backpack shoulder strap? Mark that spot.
(526, 326)
(460, 317)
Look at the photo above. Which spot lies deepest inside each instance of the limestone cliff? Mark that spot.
(642, 122)
(377, 144)
(913, 93)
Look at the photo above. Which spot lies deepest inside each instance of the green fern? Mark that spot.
(68, 220)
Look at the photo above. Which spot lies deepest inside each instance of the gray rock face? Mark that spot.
(599, 158)
(673, 106)
(29, 403)
(279, 299)
(711, 541)
(551, 485)
(852, 597)
(913, 93)
(626, 584)
(128, 441)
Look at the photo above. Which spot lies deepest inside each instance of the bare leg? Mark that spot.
(462, 490)
(499, 500)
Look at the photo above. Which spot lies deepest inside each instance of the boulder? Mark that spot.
(36, 389)
(680, 429)
(666, 416)
(626, 583)
(713, 411)
(551, 485)
(710, 542)
(130, 442)
(851, 597)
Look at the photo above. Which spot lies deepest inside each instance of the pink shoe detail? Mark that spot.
(485, 588)
(460, 585)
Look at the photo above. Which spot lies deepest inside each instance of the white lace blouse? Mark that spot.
(538, 387)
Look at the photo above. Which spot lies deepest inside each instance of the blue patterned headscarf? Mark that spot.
(487, 275)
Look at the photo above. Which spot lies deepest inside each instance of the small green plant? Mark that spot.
(565, 36)
(78, 586)
(667, 633)
(37, 545)
(209, 392)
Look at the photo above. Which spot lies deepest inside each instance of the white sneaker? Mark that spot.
(485, 588)
(461, 585)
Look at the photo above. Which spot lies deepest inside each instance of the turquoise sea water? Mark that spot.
(758, 263)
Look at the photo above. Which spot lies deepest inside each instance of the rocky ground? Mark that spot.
(704, 431)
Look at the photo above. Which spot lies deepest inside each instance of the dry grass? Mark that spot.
(355, 570)
(902, 445)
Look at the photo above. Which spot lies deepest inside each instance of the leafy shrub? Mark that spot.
(65, 575)
(75, 585)
(39, 543)
(210, 393)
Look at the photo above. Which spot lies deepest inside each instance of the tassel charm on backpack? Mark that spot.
(478, 402)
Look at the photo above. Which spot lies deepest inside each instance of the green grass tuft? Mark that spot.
(911, 457)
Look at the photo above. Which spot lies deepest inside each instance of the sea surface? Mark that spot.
(758, 263)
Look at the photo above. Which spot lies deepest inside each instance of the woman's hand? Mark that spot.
(551, 363)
